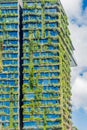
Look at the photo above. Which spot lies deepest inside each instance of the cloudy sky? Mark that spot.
(77, 13)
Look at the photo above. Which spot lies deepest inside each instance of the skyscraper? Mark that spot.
(35, 59)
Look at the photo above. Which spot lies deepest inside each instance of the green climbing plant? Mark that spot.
(11, 107)
(43, 17)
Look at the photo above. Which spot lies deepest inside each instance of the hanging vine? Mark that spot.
(31, 65)
(11, 107)
(1, 48)
(1, 45)
(43, 18)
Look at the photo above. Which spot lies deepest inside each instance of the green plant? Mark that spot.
(43, 19)
(1, 48)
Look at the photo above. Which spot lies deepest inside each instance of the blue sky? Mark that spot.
(84, 4)
(76, 11)
(80, 116)
(80, 119)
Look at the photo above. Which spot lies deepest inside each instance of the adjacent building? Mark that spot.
(36, 54)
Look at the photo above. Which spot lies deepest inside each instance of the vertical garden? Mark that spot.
(8, 64)
(47, 51)
(35, 59)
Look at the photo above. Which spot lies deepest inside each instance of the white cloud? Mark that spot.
(72, 7)
(79, 39)
(79, 90)
(78, 28)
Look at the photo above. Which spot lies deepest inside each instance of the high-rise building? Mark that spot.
(35, 59)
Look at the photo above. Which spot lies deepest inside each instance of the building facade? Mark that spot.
(9, 58)
(35, 59)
